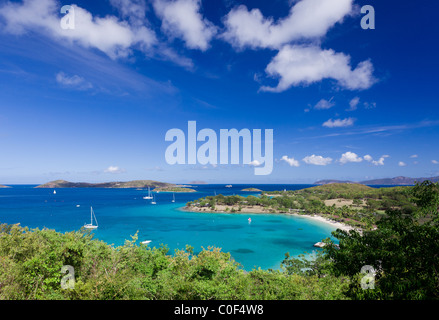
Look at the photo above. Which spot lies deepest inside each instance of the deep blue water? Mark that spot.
(121, 212)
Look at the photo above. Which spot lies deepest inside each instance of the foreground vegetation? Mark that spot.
(31, 261)
(403, 251)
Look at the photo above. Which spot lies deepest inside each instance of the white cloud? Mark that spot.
(74, 81)
(401, 164)
(337, 123)
(324, 104)
(317, 160)
(182, 19)
(349, 157)
(255, 163)
(114, 169)
(371, 105)
(291, 161)
(380, 161)
(132, 9)
(353, 104)
(296, 65)
(109, 35)
(414, 156)
(434, 161)
(307, 19)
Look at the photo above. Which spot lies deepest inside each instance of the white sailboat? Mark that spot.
(173, 197)
(153, 200)
(148, 197)
(54, 191)
(91, 225)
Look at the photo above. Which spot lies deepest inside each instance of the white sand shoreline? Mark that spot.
(336, 224)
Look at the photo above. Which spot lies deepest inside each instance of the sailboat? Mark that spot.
(148, 197)
(153, 201)
(91, 225)
(54, 191)
(173, 197)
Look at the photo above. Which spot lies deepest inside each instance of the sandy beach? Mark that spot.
(336, 224)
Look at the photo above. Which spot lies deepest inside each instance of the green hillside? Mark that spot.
(128, 184)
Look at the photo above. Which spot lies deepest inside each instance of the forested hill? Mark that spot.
(384, 182)
(128, 184)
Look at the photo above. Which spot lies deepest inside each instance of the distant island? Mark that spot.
(128, 184)
(252, 189)
(2, 186)
(329, 181)
(174, 189)
(397, 181)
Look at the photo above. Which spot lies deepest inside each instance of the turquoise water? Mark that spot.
(122, 212)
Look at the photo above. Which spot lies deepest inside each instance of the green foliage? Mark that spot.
(31, 262)
(403, 250)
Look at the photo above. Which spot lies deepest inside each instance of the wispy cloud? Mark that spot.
(114, 169)
(380, 161)
(291, 161)
(339, 123)
(353, 104)
(105, 75)
(365, 130)
(324, 104)
(75, 81)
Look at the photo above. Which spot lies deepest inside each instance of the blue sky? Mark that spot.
(94, 103)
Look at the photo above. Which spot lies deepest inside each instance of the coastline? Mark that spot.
(336, 224)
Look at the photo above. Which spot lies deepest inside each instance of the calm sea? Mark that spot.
(122, 212)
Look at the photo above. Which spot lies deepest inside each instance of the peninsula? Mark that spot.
(401, 181)
(356, 205)
(128, 184)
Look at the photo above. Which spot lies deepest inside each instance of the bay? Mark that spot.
(121, 213)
